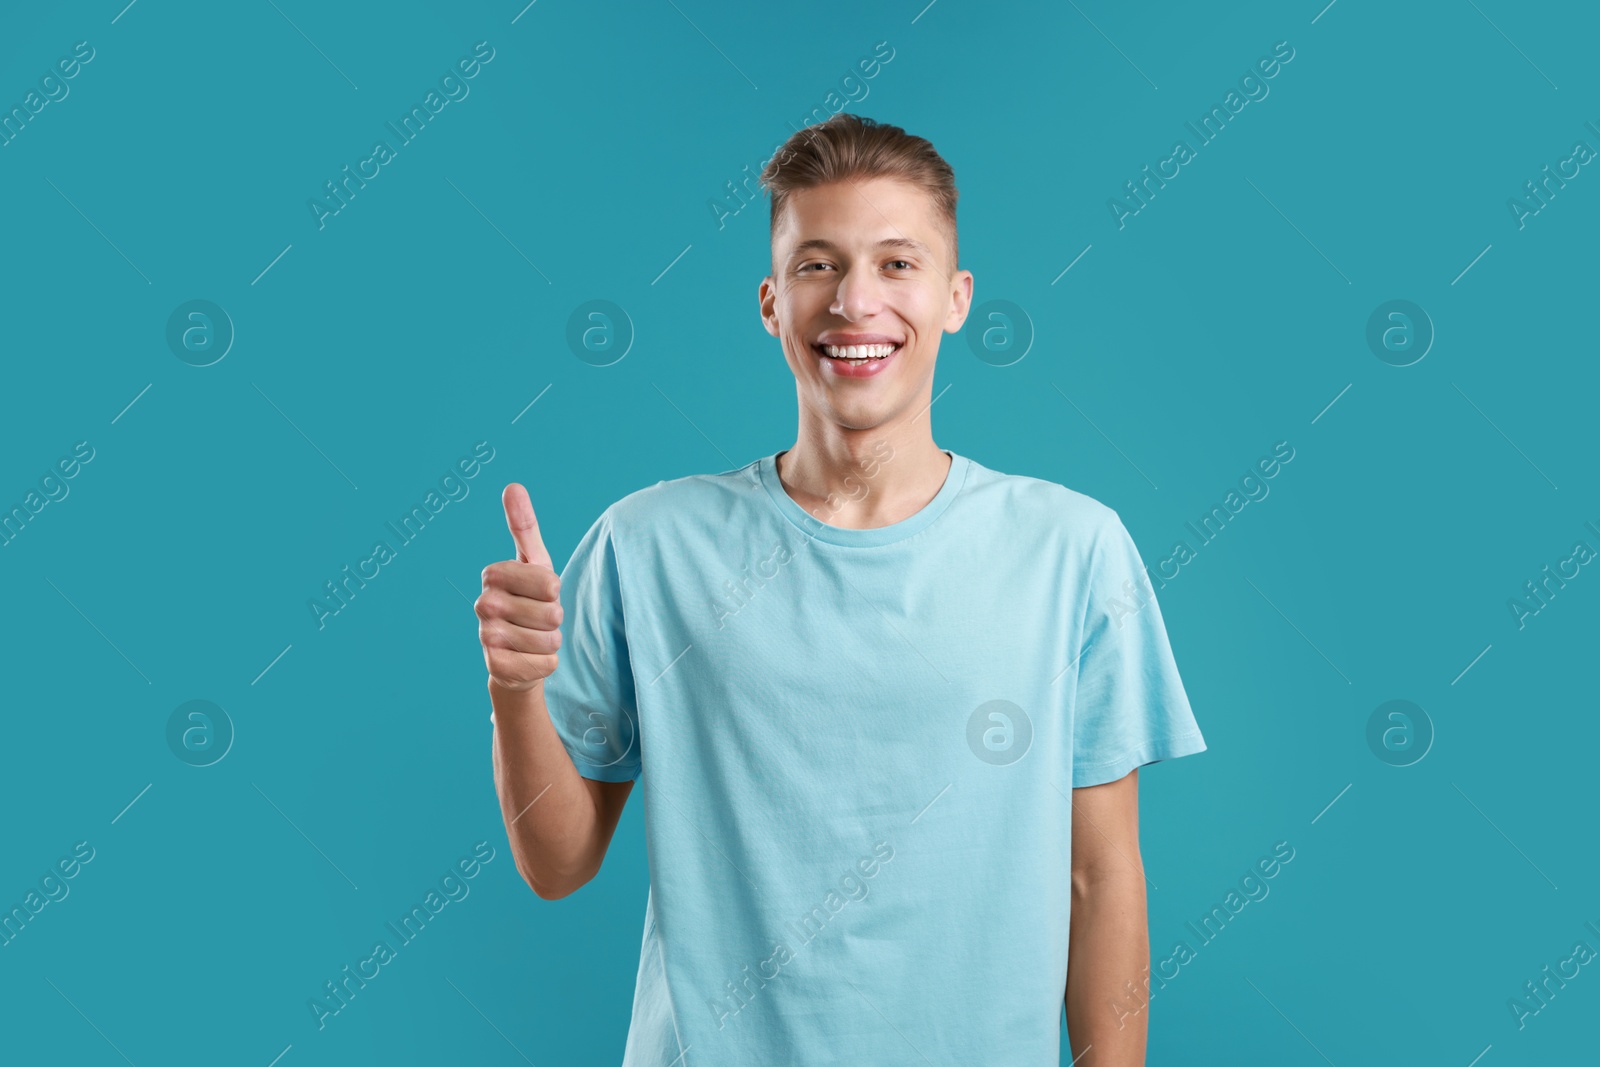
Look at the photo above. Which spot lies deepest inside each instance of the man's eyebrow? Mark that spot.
(823, 245)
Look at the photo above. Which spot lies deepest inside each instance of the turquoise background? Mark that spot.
(372, 353)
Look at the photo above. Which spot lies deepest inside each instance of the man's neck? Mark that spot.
(864, 479)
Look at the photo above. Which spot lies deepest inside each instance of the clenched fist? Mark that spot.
(519, 611)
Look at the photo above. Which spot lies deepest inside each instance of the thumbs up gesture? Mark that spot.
(519, 611)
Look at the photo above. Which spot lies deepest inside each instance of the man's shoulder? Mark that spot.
(692, 493)
(1034, 501)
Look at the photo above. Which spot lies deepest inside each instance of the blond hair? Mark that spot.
(848, 147)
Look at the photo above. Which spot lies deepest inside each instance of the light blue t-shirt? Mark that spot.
(855, 751)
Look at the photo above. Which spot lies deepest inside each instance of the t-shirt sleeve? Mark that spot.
(1130, 708)
(591, 695)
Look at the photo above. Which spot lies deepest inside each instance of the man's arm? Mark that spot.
(1110, 936)
(558, 822)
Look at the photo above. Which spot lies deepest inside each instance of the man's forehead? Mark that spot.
(871, 216)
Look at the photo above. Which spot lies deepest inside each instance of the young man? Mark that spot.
(887, 705)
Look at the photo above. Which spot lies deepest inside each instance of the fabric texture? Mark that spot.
(855, 751)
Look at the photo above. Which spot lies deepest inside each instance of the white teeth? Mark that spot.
(859, 353)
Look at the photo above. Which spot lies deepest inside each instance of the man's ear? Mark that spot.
(960, 301)
(767, 296)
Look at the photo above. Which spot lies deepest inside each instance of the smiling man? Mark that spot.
(887, 705)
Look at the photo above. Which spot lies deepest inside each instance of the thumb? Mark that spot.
(524, 527)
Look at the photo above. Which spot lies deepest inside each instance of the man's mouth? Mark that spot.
(857, 355)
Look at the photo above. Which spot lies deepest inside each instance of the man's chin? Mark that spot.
(857, 415)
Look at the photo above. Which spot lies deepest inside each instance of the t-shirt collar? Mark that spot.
(767, 467)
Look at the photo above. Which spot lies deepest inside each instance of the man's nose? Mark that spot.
(859, 294)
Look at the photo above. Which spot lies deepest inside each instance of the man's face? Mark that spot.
(863, 263)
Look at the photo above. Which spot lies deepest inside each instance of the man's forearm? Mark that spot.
(1109, 949)
(550, 815)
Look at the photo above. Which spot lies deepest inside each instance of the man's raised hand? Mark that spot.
(519, 611)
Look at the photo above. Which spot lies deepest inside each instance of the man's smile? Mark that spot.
(856, 355)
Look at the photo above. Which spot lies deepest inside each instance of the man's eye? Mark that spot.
(808, 266)
(904, 264)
